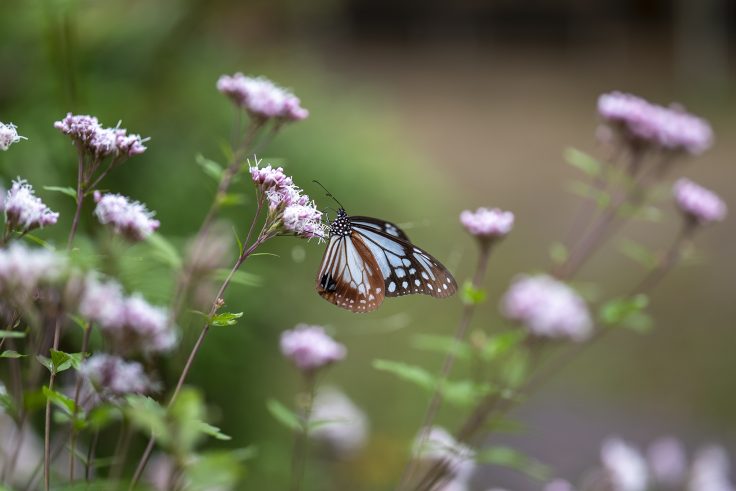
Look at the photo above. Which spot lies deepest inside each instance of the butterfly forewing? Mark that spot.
(349, 276)
(380, 225)
(405, 268)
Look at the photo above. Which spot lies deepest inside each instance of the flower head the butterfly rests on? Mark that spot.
(698, 204)
(262, 98)
(642, 124)
(9, 135)
(24, 211)
(289, 210)
(487, 224)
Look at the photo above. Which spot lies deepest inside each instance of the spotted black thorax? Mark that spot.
(341, 225)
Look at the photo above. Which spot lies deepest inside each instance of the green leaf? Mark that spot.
(231, 199)
(38, 241)
(226, 319)
(209, 167)
(212, 431)
(103, 415)
(64, 190)
(63, 361)
(9, 353)
(186, 415)
(585, 190)
(12, 334)
(514, 369)
(217, 469)
(7, 403)
(500, 344)
(46, 362)
(148, 415)
(464, 393)
(239, 242)
(240, 277)
(410, 373)
(284, 415)
(441, 344)
(626, 312)
(164, 250)
(638, 253)
(508, 457)
(583, 161)
(65, 403)
(471, 295)
(558, 253)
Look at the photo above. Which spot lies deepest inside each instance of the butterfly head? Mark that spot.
(341, 226)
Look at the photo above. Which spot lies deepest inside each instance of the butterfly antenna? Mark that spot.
(329, 194)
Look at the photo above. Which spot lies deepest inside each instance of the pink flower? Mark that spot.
(261, 97)
(101, 142)
(547, 308)
(304, 221)
(487, 223)
(643, 123)
(82, 128)
(128, 218)
(24, 211)
(23, 270)
(147, 328)
(111, 376)
(9, 135)
(625, 466)
(698, 203)
(310, 348)
(667, 462)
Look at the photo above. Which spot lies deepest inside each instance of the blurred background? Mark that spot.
(419, 109)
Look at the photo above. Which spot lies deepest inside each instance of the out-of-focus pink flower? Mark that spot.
(24, 211)
(667, 462)
(103, 303)
(644, 123)
(9, 135)
(24, 269)
(344, 427)
(558, 485)
(147, 327)
(261, 97)
(698, 203)
(129, 218)
(111, 376)
(710, 470)
(624, 465)
(310, 348)
(547, 308)
(438, 445)
(487, 223)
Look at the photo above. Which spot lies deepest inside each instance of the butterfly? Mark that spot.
(368, 259)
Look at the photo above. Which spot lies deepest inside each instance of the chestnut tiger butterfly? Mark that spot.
(368, 259)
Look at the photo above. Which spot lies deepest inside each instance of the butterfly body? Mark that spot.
(368, 259)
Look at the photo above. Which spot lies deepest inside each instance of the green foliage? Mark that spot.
(164, 251)
(12, 334)
(471, 295)
(464, 393)
(226, 319)
(217, 469)
(582, 161)
(59, 400)
(627, 312)
(508, 457)
(240, 277)
(585, 190)
(514, 370)
(558, 253)
(500, 344)
(148, 415)
(284, 415)
(442, 344)
(69, 191)
(9, 353)
(209, 167)
(8, 404)
(411, 373)
(638, 253)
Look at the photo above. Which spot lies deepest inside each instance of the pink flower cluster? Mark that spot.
(100, 141)
(9, 135)
(295, 212)
(698, 203)
(262, 98)
(643, 123)
(487, 223)
(23, 270)
(129, 218)
(24, 211)
(132, 324)
(111, 376)
(435, 445)
(547, 308)
(310, 348)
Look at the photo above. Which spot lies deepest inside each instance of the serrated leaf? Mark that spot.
(164, 250)
(45, 362)
(226, 319)
(64, 361)
(441, 344)
(284, 415)
(147, 415)
(209, 167)
(63, 402)
(12, 334)
(9, 353)
(471, 295)
(508, 457)
(583, 162)
(64, 190)
(416, 375)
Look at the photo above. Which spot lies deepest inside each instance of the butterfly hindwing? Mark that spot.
(405, 268)
(349, 276)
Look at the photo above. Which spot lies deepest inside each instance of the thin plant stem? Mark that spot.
(80, 198)
(301, 441)
(91, 455)
(462, 328)
(77, 392)
(121, 451)
(195, 349)
(47, 421)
